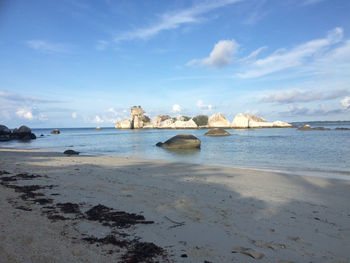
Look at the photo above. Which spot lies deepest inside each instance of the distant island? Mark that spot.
(138, 120)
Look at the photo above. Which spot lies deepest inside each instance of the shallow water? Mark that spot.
(324, 153)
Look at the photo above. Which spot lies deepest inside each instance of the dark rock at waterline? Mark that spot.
(342, 129)
(71, 152)
(181, 141)
(23, 133)
(5, 133)
(217, 132)
(308, 128)
(55, 131)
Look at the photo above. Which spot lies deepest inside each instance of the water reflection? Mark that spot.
(183, 152)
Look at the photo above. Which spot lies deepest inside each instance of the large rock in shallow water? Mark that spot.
(55, 131)
(5, 133)
(307, 127)
(181, 141)
(23, 133)
(217, 132)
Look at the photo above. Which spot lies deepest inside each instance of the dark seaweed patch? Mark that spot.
(43, 201)
(142, 252)
(69, 208)
(56, 217)
(110, 239)
(119, 219)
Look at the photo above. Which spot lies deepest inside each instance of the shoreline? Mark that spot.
(199, 213)
(326, 174)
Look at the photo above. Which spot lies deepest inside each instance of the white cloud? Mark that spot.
(47, 47)
(74, 115)
(24, 113)
(174, 20)
(253, 55)
(295, 95)
(176, 108)
(345, 102)
(284, 59)
(203, 106)
(221, 55)
(321, 110)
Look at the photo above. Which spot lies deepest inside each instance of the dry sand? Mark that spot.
(200, 213)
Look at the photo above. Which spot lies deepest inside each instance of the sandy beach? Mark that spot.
(58, 208)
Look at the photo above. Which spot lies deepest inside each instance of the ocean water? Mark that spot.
(321, 153)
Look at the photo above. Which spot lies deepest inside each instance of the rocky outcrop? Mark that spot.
(138, 120)
(342, 129)
(148, 125)
(5, 133)
(123, 124)
(55, 131)
(217, 132)
(240, 121)
(137, 117)
(307, 127)
(181, 124)
(23, 133)
(217, 121)
(163, 122)
(281, 124)
(244, 121)
(181, 141)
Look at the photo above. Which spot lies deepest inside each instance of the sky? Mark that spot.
(77, 63)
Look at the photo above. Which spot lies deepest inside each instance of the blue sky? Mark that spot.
(74, 63)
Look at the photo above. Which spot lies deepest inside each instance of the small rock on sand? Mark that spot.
(71, 152)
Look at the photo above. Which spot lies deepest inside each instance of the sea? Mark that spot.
(324, 153)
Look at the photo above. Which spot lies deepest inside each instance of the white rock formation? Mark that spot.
(159, 119)
(123, 124)
(137, 117)
(148, 125)
(218, 120)
(251, 121)
(166, 124)
(281, 124)
(184, 124)
(240, 121)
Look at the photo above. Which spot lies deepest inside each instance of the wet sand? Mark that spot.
(57, 208)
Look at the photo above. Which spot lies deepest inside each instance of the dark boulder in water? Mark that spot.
(71, 152)
(181, 141)
(308, 128)
(23, 133)
(217, 132)
(5, 133)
